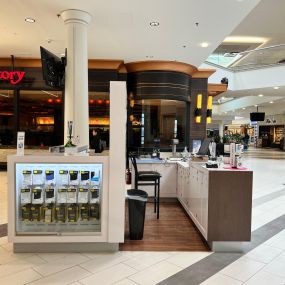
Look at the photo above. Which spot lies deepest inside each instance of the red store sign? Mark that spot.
(14, 77)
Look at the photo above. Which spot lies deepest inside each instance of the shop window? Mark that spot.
(156, 120)
(99, 115)
(6, 117)
(41, 117)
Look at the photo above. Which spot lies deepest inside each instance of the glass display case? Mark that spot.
(58, 198)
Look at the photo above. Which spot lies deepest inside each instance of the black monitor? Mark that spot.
(204, 149)
(53, 69)
(257, 116)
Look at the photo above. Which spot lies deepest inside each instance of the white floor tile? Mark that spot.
(51, 256)
(64, 277)
(125, 282)
(63, 263)
(103, 261)
(265, 278)
(154, 274)
(19, 265)
(242, 269)
(220, 279)
(21, 278)
(146, 259)
(264, 253)
(110, 275)
(277, 266)
(185, 259)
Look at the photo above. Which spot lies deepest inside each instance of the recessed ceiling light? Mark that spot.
(223, 98)
(154, 24)
(276, 87)
(243, 108)
(204, 44)
(255, 105)
(226, 112)
(271, 102)
(30, 20)
(260, 95)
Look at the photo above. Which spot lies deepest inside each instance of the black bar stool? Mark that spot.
(148, 178)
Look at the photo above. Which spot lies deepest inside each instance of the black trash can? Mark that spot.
(136, 202)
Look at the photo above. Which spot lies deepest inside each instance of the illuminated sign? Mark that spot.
(14, 77)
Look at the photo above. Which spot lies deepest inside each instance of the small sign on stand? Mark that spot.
(21, 143)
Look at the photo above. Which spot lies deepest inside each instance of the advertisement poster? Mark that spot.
(20, 143)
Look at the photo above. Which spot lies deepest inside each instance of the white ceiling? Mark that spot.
(121, 30)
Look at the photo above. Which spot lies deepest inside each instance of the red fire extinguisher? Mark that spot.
(128, 176)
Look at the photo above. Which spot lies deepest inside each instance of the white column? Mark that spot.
(221, 129)
(76, 74)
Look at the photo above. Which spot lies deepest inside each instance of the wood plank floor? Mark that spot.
(174, 231)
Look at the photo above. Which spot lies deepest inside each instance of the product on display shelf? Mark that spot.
(37, 195)
(60, 213)
(48, 213)
(84, 177)
(27, 177)
(94, 195)
(63, 177)
(83, 195)
(73, 177)
(26, 196)
(72, 213)
(95, 178)
(71, 195)
(36, 213)
(61, 195)
(50, 180)
(84, 212)
(94, 211)
(49, 195)
(26, 213)
(38, 178)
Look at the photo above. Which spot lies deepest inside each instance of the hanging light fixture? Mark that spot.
(209, 109)
(198, 110)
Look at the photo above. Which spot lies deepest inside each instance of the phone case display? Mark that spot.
(26, 197)
(48, 213)
(49, 195)
(83, 195)
(63, 177)
(38, 178)
(37, 195)
(71, 196)
(72, 213)
(58, 198)
(73, 177)
(84, 177)
(50, 177)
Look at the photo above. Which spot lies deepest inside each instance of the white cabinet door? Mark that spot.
(204, 204)
(179, 182)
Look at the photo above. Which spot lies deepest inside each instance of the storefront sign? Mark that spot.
(20, 143)
(14, 77)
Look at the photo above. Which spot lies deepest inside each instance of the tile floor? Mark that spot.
(263, 265)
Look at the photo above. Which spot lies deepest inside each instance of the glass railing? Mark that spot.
(251, 59)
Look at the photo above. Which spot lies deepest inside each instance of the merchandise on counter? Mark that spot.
(38, 178)
(83, 195)
(26, 196)
(27, 177)
(94, 195)
(84, 177)
(49, 195)
(94, 211)
(63, 177)
(26, 213)
(50, 180)
(71, 195)
(60, 214)
(49, 213)
(36, 213)
(95, 178)
(72, 213)
(37, 195)
(73, 177)
(84, 212)
(61, 195)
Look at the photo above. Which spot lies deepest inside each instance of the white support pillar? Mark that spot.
(221, 129)
(76, 74)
